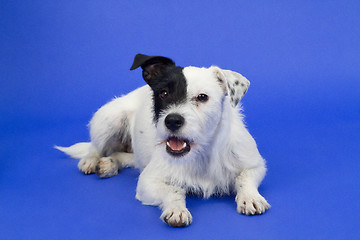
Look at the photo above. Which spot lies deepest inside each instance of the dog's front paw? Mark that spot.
(107, 167)
(88, 165)
(177, 217)
(251, 203)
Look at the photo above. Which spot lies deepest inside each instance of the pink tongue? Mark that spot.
(176, 144)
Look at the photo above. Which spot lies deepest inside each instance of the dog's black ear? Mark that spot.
(152, 65)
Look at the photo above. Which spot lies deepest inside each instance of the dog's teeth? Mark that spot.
(184, 145)
(168, 144)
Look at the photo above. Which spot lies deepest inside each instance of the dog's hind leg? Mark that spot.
(110, 147)
(88, 163)
(116, 152)
(110, 131)
(110, 166)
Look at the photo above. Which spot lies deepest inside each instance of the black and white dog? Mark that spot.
(183, 130)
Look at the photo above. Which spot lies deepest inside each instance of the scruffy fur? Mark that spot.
(132, 131)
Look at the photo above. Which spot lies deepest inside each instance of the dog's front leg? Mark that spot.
(152, 190)
(248, 199)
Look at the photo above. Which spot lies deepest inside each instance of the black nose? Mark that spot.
(174, 121)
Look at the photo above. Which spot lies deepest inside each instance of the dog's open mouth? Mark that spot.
(177, 146)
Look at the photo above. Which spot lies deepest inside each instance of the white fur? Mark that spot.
(224, 157)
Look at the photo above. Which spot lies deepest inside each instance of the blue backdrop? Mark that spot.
(61, 60)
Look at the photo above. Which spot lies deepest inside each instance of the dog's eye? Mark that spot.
(163, 94)
(202, 97)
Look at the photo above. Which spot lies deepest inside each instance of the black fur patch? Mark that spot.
(173, 81)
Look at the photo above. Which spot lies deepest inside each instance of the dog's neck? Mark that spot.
(222, 128)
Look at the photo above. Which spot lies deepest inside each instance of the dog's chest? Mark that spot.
(213, 178)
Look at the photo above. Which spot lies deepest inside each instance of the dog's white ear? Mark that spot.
(152, 65)
(234, 84)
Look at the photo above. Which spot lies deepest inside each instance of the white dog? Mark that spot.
(185, 134)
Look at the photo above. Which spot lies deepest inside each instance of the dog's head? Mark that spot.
(189, 102)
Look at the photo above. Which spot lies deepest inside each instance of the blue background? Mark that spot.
(61, 60)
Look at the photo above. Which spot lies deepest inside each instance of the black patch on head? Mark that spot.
(165, 79)
(236, 82)
(232, 91)
(174, 83)
(152, 65)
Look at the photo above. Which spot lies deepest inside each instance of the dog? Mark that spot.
(185, 133)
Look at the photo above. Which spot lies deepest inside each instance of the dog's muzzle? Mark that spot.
(177, 147)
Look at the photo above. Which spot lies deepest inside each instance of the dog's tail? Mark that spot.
(77, 151)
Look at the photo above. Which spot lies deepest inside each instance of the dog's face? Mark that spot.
(188, 103)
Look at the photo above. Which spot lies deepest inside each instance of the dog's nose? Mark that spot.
(174, 121)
